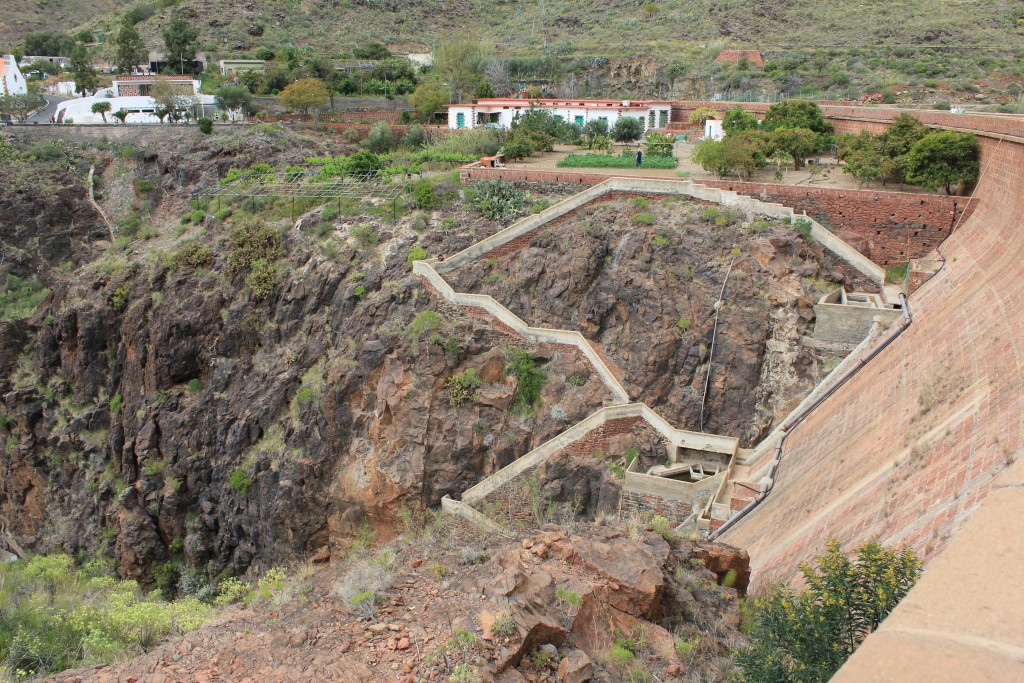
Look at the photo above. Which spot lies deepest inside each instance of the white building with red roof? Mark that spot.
(500, 112)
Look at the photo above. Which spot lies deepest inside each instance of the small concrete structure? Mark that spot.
(235, 67)
(12, 82)
(843, 317)
(62, 62)
(713, 130)
(500, 112)
(421, 59)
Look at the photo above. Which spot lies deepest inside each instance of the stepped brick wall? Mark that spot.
(908, 449)
(887, 227)
(635, 504)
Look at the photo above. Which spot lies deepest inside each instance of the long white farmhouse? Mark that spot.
(500, 112)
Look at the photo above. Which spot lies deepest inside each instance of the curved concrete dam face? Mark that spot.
(908, 449)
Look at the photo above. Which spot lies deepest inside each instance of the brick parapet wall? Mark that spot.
(887, 227)
(597, 440)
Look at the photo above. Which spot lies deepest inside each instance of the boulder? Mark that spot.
(575, 667)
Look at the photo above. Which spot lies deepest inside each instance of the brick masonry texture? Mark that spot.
(633, 504)
(908, 449)
(887, 227)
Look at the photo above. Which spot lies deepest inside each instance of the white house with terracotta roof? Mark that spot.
(11, 80)
(500, 112)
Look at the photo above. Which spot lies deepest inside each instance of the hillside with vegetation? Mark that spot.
(917, 50)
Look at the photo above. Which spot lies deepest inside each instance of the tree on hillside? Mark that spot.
(627, 129)
(49, 44)
(305, 95)
(372, 51)
(740, 153)
(179, 45)
(497, 75)
(129, 50)
(459, 60)
(101, 108)
(796, 114)
(737, 120)
(806, 636)
(428, 97)
(235, 98)
(82, 71)
(944, 159)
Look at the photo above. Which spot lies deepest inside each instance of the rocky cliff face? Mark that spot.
(642, 278)
(162, 413)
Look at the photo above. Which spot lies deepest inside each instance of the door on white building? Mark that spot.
(460, 120)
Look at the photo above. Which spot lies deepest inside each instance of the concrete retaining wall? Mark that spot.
(848, 325)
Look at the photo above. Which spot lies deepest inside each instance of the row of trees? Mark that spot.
(790, 132)
(537, 130)
(910, 152)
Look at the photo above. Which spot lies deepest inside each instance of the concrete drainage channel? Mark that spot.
(685, 499)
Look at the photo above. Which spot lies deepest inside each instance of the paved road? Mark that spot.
(43, 116)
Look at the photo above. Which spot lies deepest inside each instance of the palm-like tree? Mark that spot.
(101, 108)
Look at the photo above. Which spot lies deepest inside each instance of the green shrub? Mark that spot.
(530, 379)
(462, 386)
(205, 125)
(663, 528)
(624, 160)
(20, 298)
(646, 218)
(806, 636)
(417, 253)
(365, 236)
(500, 201)
(240, 481)
(56, 617)
(116, 403)
(191, 253)
(504, 626)
(251, 240)
(143, 185)
(119, 300)
(423, 193)
(684, 324)
(262, 278)
(896, 275)
(803, 227)
(360, 291)
(426, 321)
(195, 385)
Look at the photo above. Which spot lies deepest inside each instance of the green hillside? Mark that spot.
(611, 28)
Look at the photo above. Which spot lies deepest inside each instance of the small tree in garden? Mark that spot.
(120, 115)
(627, 129)
(700, 115)
(305, 95)
(659, 144)
(806, 636)
(944, 159)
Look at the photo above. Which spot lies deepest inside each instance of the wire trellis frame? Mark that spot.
(361, 186)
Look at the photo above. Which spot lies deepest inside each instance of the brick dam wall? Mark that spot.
(908, 449)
